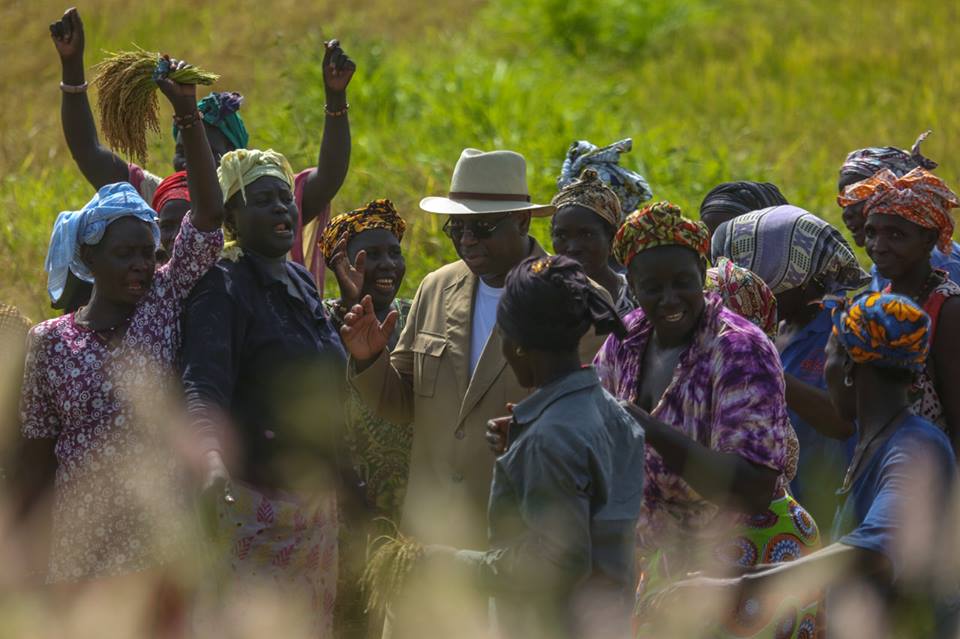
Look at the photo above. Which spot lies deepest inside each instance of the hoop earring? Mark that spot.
(519, 351)
(848, 381)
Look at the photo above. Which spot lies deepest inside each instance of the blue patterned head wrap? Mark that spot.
(632, 188)
(885, 330)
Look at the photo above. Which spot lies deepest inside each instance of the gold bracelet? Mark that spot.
(73, 88)
(336, 114)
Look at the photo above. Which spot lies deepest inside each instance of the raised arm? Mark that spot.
(98, 164)
(326, 179)
(206, 199)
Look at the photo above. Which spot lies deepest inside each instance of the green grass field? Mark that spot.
(709, 91)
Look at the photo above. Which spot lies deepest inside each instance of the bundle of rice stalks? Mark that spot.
(128, 99)
(391, 559)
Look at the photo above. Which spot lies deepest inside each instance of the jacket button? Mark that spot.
(457, 478)
(460, 433)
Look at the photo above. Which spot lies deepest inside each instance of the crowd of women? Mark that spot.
(668, 427)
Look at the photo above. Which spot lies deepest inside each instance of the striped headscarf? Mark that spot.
(590, 192)
(744, 293)
(789, 247)
(378, 214)
(631, 188)
(864, 163)
(919, 196)
(659, 224)
(883, 329)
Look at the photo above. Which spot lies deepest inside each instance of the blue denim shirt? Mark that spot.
(563, 507)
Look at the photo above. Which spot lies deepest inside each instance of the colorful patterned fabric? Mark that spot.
(118, 493)
(865, 163)
(727, 393)
(630, 187)
(87, 226)
(741, 197)
(549, 303)
(789, 247)
(784, 532)
(172, 187)
(240, 168)
(284, 545)
(883, 329)
(919, 196)
(220, 110)
(377, 214)
(745, 294)
(590, 192)
(659, 224)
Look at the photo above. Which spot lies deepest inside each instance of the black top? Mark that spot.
(264, 354)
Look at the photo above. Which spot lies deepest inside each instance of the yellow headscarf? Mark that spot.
(241, 167)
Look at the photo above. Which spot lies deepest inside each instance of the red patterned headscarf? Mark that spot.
(173, 187)
(919, 196)
(659, 224)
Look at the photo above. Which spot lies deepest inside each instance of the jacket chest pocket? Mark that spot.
(427, 351)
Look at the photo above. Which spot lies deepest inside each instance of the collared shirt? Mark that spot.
(563, 505)
(261, 350)
(822, 460)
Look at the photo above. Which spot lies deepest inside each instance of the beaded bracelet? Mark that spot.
(73, 88)
(336, 114)
(186, 121)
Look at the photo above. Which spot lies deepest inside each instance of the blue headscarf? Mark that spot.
(631, 187)
(87, 226)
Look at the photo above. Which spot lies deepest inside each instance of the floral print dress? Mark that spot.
(118, 501)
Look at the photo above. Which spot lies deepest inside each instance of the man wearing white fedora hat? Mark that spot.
(447, 375)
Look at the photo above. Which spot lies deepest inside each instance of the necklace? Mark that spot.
(84, 322)
(862, 451)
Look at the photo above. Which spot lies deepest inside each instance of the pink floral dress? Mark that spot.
(118, 504)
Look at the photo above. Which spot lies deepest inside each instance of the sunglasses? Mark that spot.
(480, 229)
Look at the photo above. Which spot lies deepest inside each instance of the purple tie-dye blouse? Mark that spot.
(727, 393)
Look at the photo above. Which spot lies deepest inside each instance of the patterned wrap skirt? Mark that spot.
(285, 547)
(784, 532)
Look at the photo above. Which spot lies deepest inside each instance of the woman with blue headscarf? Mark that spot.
(96, 380)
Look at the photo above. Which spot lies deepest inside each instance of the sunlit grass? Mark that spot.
(709, 91)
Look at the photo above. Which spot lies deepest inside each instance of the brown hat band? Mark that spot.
(493, 197)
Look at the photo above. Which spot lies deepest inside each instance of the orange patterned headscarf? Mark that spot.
(378, 214)
(919, 196)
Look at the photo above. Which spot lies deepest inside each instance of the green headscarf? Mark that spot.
(221, 110)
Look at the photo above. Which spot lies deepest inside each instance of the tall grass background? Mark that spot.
(709, 90)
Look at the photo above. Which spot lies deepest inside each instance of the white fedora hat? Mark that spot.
(487, 182)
